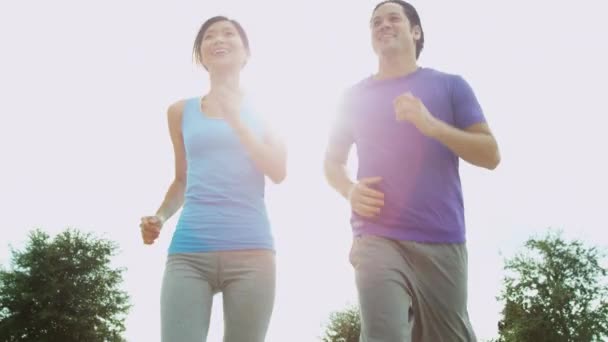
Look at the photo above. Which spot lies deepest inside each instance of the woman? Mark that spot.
(222, 242)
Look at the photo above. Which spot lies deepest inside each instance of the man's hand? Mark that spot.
(364, 200)
(411, 109)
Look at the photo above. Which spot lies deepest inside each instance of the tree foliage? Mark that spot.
(555, 291)
(344, 326)
(62, 289)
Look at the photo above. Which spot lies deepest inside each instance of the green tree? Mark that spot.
(62, 289)
(344, 326)
(555, 291)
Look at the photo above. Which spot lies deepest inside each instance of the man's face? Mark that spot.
(391, 30)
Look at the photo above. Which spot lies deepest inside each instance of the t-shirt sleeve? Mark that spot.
(341, 135)
(466, 108)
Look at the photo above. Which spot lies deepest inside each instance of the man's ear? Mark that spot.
(416, 33)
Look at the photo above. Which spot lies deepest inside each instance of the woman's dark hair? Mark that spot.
(196, 51)
(412, 16)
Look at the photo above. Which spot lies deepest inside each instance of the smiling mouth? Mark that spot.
(386, 36)
(220, 52)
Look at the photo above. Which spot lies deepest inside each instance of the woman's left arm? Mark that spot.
(269, 153)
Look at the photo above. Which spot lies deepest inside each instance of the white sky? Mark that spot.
(84, 89)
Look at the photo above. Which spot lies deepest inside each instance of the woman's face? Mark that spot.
(222, 47)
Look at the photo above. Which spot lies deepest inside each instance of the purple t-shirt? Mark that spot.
(420, 179)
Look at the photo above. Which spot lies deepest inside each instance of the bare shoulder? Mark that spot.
(174, 116)
(176, 109)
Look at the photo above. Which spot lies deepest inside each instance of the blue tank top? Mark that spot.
(224, 206)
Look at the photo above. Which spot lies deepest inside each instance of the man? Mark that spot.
(411, 125)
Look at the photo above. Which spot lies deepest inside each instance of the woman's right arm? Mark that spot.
(175, 195)
(174, 198)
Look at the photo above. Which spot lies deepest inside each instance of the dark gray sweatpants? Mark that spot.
(411, 292)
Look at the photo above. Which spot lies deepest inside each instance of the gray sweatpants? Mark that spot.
(246, 279)
(411, 292)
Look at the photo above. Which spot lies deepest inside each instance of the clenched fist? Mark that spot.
(364, 200)
(150, 228)
(411, 109)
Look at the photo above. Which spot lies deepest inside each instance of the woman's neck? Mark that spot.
(224, 81)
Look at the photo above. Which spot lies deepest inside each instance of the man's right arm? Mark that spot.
(337, 177)
(341, 139)
(363, 199)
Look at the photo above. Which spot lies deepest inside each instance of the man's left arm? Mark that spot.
(475, 144)
(470, 137)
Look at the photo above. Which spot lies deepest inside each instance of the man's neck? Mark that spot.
(397, 65)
